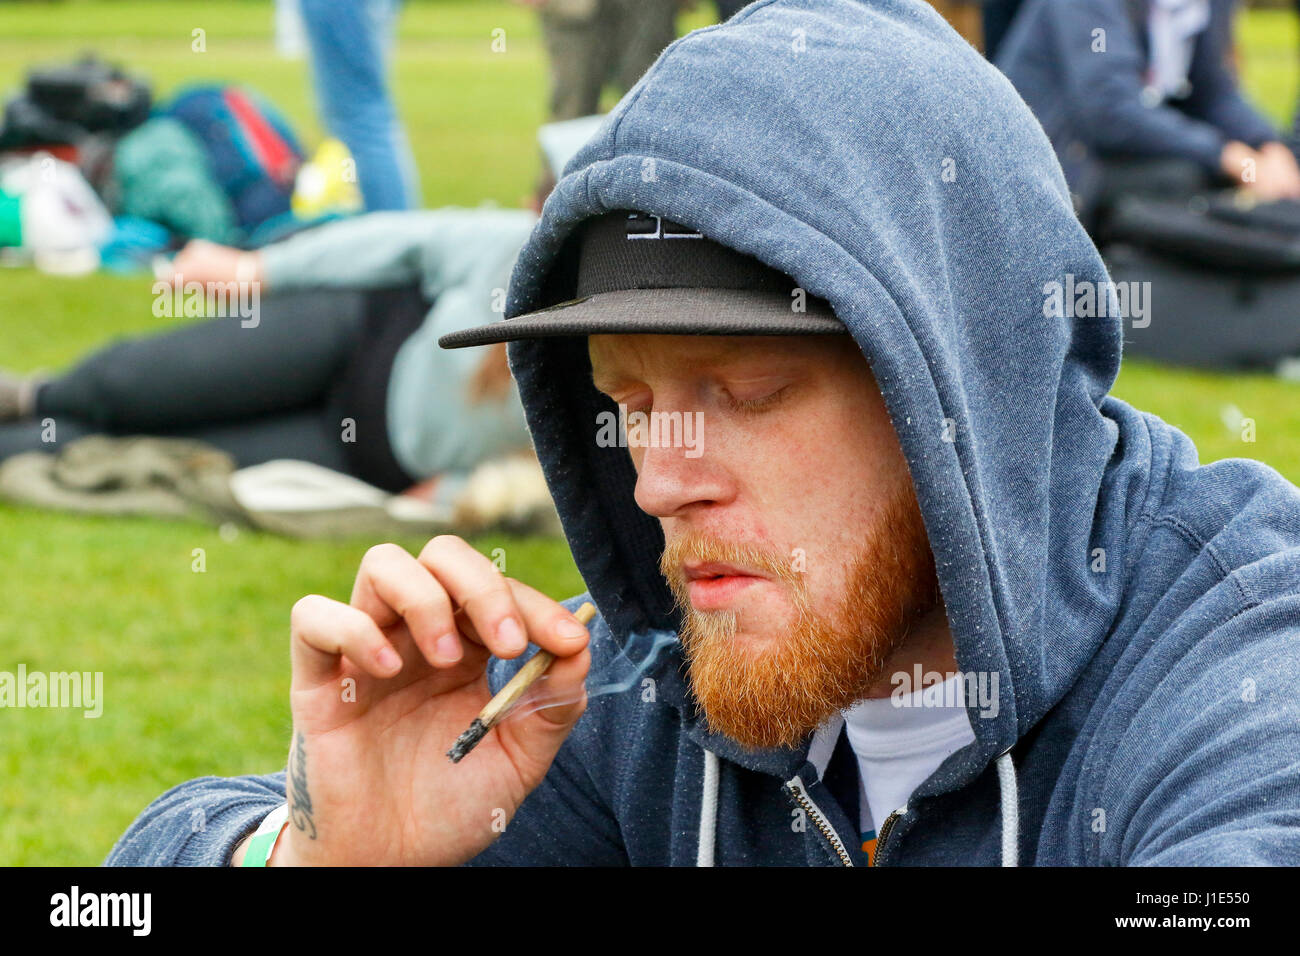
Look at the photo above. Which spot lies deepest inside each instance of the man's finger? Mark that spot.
(550, 624)
(538, 725)
(323, 630)
(392, 585)
(481, 592)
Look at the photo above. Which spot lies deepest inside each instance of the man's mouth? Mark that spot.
(714, 585)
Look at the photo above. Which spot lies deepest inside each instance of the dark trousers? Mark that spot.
(285, 388)
(593, 42)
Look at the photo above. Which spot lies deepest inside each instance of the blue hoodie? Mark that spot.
(1140, 611)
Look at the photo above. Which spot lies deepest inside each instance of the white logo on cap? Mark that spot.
(659, 229)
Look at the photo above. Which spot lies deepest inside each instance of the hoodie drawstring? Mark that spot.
(708, 811)
(1010, 810)
(1006, 787)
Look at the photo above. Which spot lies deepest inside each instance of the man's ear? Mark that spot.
(491, 380)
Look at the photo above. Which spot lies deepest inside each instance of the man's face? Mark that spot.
(793, 540)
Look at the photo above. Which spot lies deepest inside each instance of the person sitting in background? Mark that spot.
(339, 367)
(1138, 95)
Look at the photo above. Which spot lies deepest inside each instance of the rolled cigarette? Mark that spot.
(500, 705)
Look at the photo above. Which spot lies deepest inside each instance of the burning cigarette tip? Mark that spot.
(509, 695)
(468, 740)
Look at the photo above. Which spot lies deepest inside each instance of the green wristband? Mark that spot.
(258, 852)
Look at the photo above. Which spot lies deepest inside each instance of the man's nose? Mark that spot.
(669, 481)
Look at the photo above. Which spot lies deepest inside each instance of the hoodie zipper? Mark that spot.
(796, 790)
(885, 829)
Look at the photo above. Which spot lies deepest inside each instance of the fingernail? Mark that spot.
(447, 648)
(388, 659)
(569, 629)
(511, 635)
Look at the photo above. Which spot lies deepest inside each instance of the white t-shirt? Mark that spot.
(898, 747)
(1173, 27)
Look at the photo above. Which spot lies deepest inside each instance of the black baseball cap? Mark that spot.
(642, 273)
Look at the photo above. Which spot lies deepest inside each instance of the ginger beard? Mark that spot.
(774, 691)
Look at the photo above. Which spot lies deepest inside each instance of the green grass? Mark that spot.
(195, 664)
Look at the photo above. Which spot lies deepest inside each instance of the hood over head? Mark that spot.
(867, 151)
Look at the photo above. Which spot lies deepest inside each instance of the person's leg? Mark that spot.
(350, 40)
(643, 29)
(1164, 178)
(1116, 177)
(576, 52)
(212, 371)
(356, 411)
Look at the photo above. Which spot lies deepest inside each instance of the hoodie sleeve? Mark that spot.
(1104, 89)
(198, 823)
(1220, 784)
(566, 820)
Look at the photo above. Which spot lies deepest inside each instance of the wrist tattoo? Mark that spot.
(299, 796)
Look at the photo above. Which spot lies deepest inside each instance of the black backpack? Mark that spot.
(1224, 278)
(60, 105)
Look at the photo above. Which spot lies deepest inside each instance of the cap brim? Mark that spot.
(693, 311)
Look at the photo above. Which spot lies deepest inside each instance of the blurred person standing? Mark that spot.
(594, 42)
(351, 43)
(1139, 96)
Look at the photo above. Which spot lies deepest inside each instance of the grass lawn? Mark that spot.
(195, 664)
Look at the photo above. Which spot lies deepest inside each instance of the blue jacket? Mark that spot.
(1092, 101)
(1141, 612)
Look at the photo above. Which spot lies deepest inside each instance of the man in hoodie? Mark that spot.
(909, 588)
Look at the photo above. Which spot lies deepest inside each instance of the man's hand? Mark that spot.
(203, 261)
(1268, 173)
(1278, 176)
(1238, 161)
(382, 687)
